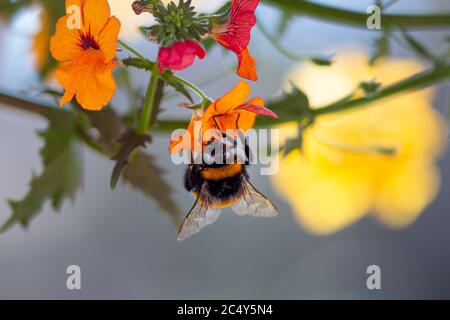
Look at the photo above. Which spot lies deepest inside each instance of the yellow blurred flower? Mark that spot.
(378, 159)
(41, 41)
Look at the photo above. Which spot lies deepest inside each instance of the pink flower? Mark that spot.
(180, 55)
(235, 35)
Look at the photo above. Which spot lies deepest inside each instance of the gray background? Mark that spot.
(126, 249)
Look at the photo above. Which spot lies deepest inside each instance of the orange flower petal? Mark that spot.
(65, 75)
(89, 78)
(232, 99)
(104, 76)
(247, 66)
(256, 101)
(108, 38)
(96, 14)
(246, 120)
(65, 44)
(228, 121)
(92, 94)
(74, 2)
(186, 141)
(66, 98)
(256, 105)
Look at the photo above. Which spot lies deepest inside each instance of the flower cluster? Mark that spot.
(85, 45)
(87, 53)
(178, 32)
(379, 160)
(230, 113)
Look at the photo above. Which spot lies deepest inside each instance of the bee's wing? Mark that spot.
(199, 217)
(254, 203)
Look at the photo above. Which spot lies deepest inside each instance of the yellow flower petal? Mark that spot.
(379, 159)
(406, 194)
(323, 202)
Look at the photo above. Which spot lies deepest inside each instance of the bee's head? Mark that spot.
(225, 151)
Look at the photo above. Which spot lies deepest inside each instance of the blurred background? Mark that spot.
(127, 249)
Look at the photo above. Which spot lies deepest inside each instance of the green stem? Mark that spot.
(418, 81)
(194, 88)
(276, 45)
(135, 52)
(149, 102)
(415, 82)
(281, 49)
(359, 19)
(24, 104)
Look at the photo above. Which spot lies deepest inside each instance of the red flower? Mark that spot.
(235, 35)
(180, 55)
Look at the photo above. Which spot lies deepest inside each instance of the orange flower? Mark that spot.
(86, 53)
(41, 41)
(235, 35)
(230, 112)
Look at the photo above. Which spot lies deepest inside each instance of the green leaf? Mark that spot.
(370, 87)
(143, 175)
(322, 61)
(61, 175)
(139, 63)
(129, 142)
(109, 127)
(292, 106)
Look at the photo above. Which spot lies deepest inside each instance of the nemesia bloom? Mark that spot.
(180, 55)
(41, 41)
(231, 112)
(86, 54)
(378, 160)
(235, 35)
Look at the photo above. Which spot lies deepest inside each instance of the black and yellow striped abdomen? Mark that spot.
(220, 185)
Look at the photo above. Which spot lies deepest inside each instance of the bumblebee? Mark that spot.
(221, 184)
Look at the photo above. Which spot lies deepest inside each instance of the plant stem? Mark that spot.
(149, 102)
(415, 82)
(281, 49)
(130, 49)
(276, 45)
(359, 19)
(194, 88)
(10, 100)
(418, 81)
